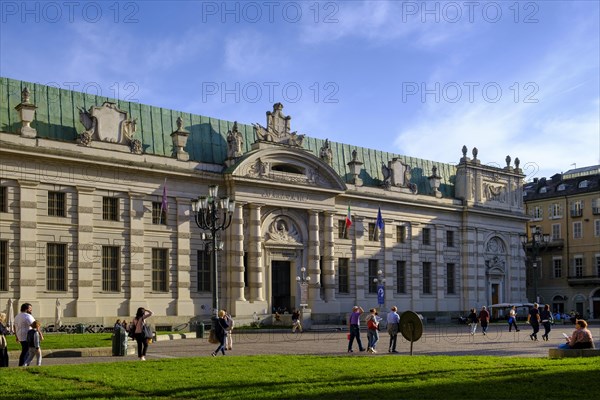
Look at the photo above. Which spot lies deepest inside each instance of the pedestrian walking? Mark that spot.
(393, 326)
(22, 325)
(296, 324)
(229, 336)
(3, 343)
(34, 339)
(512, 319)
(141, 331)
(533, 318)
(473, 321)
(372, 330)
(354, 325)
(484, 319)
(221, 333)
(547, 319)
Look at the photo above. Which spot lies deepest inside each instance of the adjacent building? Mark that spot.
(566, 272)
(96, 212)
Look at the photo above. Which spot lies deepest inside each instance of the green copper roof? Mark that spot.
(57, 118)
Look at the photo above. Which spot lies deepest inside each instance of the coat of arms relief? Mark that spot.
(109, 124)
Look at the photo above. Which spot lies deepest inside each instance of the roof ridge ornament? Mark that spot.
(278, 129)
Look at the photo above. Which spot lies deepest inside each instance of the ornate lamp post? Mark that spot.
(213, 214)
(538, 241)
(303, 280)
(380, 282)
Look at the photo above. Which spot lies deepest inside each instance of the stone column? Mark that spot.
(328, 258)
(87, 252)
(185, 306)
(28, 251)
(313, 268)
(415, 266)
(137, 276)
(439, 268)
(255, 259)
(235, 252)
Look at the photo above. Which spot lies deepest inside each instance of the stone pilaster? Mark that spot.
(360, 262)
(137, 273)
(235, 251)
(388, 267)
(255, 259)
(314, 257)
(28, 273)
(87, 252)
(414, 270)
(439, 268)
(328, 258)
(185, 305)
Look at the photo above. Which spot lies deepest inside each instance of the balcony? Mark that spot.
(576, 213)
(583, 280)
(596, 210)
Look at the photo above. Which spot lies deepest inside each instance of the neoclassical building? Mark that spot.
(96, 211)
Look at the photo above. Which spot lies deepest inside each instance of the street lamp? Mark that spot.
(303, 280)
(380, 282)
(213, 214)
(538, 241)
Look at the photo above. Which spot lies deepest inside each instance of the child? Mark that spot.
(34, 337)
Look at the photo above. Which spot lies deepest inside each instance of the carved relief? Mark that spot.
(278, 128)
(495, 192)
(495, 254)
(107, 123)
(398, 174)
(283, 230)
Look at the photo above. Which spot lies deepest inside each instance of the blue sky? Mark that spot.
(422, 79)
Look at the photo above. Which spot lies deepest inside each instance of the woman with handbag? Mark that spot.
(221, 333)
(3, 344)
(143, 333)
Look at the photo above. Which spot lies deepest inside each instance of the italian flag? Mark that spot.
(348, 218)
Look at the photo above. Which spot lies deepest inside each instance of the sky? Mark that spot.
(421, 79)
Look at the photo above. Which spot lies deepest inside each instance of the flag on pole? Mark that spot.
(348, 218)
(164, 207)
(379, 220)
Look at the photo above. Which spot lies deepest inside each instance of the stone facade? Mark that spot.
(439, 255)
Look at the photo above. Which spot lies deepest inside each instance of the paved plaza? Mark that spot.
(436, 340)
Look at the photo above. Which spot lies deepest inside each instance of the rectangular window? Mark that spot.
(450, 238)
(579, 267)
(426, 278)
(577, 230)
(159, 215)
(555, 211)
(343, 275)
(56, 267)
(373, 265)
(576, 209)
(343, 232)
(537, 212)
(110, 208)
(557, 263)
(597, 228)
(401, 277)
(426, 236)
(3, 266)
(373, 232)
(450, 287)
(596, 206)
(56, 204)
(555, 231)
(204, 274)
(159, 270)
(400, 234)
(110, 268)
(597, 265)
(3, 199)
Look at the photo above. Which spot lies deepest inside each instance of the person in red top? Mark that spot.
(484, 319)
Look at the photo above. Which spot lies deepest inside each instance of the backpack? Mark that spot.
(371, 324)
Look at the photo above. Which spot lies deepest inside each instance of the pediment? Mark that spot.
(287, 166)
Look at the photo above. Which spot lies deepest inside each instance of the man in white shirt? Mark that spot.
(22, 325)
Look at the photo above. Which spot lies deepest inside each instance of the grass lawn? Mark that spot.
(53, 341)
(310, 377)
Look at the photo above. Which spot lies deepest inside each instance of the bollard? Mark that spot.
(200, 330)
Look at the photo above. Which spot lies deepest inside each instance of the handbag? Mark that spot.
(147, 331)
(212, 337)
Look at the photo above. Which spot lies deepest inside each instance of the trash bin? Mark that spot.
(80, 328)
(119, 342)
(200, 330)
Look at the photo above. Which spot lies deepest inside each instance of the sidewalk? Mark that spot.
(436, 340)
